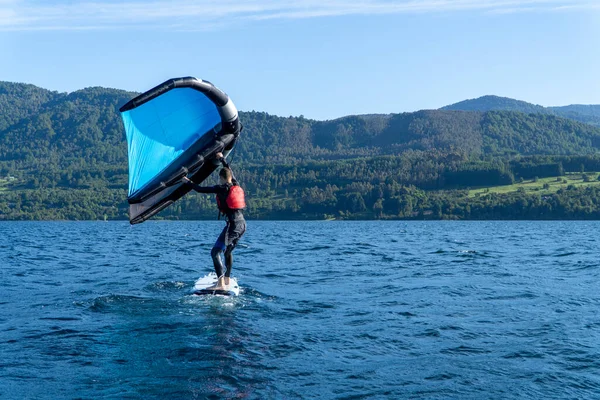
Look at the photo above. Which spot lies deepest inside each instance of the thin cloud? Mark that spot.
(515, 10)
(29, 15)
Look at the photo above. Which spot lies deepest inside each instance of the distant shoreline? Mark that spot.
(306, 220)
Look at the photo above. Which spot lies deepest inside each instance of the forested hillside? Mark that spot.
(589, 114)
(63, 156)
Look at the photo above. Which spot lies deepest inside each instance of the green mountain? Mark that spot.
(496, 103)
(46, 127)
(589, 114)
(275, 139)
(589, 110)
(64, 156)
(20, 101)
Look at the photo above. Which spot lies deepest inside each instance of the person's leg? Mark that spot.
(235, 233)
(215, 253)
(229, 260)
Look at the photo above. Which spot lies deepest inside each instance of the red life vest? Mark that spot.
(235, 200)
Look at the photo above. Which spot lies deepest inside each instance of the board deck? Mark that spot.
(201, 285)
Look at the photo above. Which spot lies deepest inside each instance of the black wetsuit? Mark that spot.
(233, 231)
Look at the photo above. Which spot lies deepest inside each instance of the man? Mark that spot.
(230, 201)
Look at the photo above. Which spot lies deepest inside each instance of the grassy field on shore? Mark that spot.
(543, 185)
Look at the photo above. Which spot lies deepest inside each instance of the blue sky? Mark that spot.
(322, 59)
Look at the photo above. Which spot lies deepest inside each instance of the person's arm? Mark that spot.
(226, 165)
(200, 189)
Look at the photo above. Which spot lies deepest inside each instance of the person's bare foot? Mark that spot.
(226, 281)
(220, 285)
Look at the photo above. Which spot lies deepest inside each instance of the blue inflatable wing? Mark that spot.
(173, 130)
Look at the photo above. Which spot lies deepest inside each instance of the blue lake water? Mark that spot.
(329, 310)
